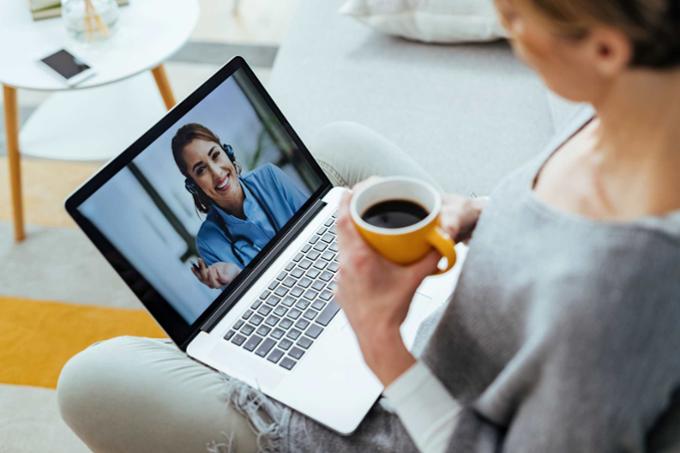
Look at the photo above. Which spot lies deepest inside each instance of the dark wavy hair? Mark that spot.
(653, 26)
(185, 135)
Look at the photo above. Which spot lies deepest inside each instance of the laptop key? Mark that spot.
(328, 313)
(302, 304)
(313, 255)
(332, 286)
(320, 246)
(281, 275)
(290, 266)
(285, 344)
(285, 323)
(265, 294)
(313, 273)
(314, 331)
(247, 329)
(238, 339)
(311, 294)
(288, 301)
(326, 276)
(318, 304)
(265, 347)
(296, 353)
(319, 285)
(277, 333)
(310, 314)
(293, 334)
(287, 363)
(326, 295)
(297, 272)
(289, 282)
(298, 257)
(304, 342)
(263, 331)
(281, 291)
(306, 248)
(328, 237)
(238, 324)
(272, 320)
(328, 256)
(321, 230)
(302, 324)
(229, 335)
(264, 310)
(257, 320)
(273, 300)
(294, 313)
(297, 291)
(320, 264)
(252, 343)
(335, 247)
(275, 355)
(247, 314)
(273, 285)
(329, 222)
(305, 282)
(280, 311)
(333, 267)
(314, 239)
(256, 304)
(305, 263)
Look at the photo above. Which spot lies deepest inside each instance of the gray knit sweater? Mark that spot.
(563, 335)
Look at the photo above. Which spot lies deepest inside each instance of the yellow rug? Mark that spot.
(37, 338)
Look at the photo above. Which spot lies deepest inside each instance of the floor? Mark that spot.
(56, 262)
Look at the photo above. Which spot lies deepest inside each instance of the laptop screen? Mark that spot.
(196, 206)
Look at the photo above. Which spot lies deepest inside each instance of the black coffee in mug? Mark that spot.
(394, 214)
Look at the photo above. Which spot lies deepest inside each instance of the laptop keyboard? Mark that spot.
(283, 323)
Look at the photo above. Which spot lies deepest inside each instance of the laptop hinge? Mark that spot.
(267, 260)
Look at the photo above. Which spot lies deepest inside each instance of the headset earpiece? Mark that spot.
(230, 152)
(190, 186)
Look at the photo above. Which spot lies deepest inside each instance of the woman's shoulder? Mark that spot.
(264, 171)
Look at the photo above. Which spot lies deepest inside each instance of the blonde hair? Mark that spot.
(653, 26)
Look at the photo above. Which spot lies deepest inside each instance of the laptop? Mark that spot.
(270, 319)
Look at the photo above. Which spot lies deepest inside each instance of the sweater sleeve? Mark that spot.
(425, 408)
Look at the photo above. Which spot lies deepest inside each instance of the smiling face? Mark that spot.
(210, 168)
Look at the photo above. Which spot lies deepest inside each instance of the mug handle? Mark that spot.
(441, 241)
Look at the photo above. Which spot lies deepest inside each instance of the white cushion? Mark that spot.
(436, 21)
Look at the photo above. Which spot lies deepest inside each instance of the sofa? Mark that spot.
(468, 113)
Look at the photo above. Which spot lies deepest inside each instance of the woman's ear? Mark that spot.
(609, 51)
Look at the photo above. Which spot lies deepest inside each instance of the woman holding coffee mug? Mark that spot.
(563, 332)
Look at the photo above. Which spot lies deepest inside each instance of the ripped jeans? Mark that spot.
(143, 395)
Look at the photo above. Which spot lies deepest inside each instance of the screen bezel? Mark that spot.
(162, 311)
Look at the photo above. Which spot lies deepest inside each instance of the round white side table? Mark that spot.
(97, 119)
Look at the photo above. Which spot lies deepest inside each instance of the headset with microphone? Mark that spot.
(191, 187)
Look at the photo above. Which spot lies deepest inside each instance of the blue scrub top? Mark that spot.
(277, 190)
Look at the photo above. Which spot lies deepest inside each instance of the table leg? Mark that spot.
(14, 159)
(161, 79)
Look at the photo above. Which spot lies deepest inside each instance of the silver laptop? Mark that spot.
(242, 280)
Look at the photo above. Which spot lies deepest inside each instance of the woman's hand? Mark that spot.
(375, 295)
(217, 275)
(460, 214)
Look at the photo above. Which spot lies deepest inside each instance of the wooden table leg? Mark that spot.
(14, 159)
(161, 79)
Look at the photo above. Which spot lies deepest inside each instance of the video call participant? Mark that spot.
(244, 210)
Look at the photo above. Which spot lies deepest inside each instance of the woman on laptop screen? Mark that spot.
(244, 210)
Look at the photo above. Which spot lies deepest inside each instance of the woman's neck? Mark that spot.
(234, 205)
(638, 141)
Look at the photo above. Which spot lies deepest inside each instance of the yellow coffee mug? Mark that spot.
(411, 243)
